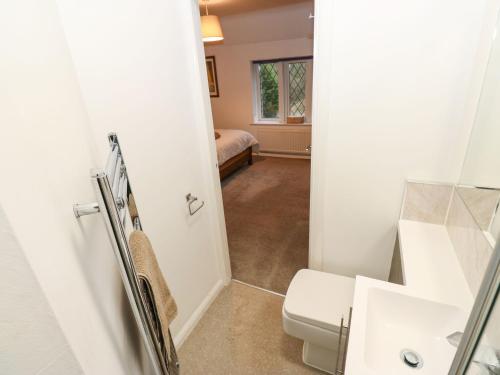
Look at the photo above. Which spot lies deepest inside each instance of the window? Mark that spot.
(282, 89)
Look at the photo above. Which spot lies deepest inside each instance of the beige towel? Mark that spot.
(132, 208)
(147, 267)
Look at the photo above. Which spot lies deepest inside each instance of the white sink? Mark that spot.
(395, 322)
(434, 302)
(388, 319)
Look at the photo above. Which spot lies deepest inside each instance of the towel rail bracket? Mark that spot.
(86, 209)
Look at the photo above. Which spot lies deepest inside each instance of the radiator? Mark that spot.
(286, 140)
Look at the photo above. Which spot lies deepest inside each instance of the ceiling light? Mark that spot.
(210, 27)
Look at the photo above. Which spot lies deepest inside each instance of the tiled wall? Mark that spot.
(472, 248)
(426, 202)
(441, 204)
(482, 203)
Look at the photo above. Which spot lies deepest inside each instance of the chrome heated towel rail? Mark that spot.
(113, 189)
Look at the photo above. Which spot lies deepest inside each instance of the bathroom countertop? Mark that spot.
(431, 271)
(430, 266)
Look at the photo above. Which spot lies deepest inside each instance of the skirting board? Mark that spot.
(192, 322)
(283, 155)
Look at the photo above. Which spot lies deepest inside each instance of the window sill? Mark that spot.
(268, 123)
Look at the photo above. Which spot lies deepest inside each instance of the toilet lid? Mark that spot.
(319, 298)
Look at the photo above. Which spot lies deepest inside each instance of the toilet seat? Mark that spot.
(319, 299)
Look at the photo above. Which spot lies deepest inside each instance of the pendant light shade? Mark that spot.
(210, 27)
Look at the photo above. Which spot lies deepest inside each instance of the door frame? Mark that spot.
(321, 118)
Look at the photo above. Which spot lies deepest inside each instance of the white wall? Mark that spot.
(234, 107)
(393, 86)
(69, 76)
(272, 33)
(133, 85)
(31, 340)
(46, 152)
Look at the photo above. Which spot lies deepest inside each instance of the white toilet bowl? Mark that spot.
(314, 305)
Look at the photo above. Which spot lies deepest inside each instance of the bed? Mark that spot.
(234, 149)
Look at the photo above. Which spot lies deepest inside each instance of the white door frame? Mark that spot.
(321, 118)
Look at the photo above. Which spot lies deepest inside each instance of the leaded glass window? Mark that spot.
(296, 89)
(269, 90)
(283, 91)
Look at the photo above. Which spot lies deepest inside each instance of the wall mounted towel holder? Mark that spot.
(113, 186)
(190, 200)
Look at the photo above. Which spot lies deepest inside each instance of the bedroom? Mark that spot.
(259, 69)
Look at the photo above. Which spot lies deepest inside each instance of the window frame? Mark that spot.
(257, 93)
(283, 89)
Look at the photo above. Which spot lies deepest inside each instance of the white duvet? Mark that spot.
(231, 142)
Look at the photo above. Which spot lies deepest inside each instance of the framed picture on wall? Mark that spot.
(213, 85)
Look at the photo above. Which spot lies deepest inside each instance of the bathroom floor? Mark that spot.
(242, 334)
(266, 206)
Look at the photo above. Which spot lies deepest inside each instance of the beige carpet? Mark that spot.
(266, 206)
(241, 334)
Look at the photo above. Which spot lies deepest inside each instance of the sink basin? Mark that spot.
(396, 322)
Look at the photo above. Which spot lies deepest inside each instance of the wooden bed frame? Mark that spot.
(235, 163)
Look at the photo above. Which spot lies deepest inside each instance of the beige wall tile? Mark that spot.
(426, 202)
(471, 246)
(482, 203)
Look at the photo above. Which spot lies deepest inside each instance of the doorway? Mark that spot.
(259, 59)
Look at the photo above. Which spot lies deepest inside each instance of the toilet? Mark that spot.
(314, 305)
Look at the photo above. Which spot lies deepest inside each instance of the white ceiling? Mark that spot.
(227, 7)
(279, 23)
